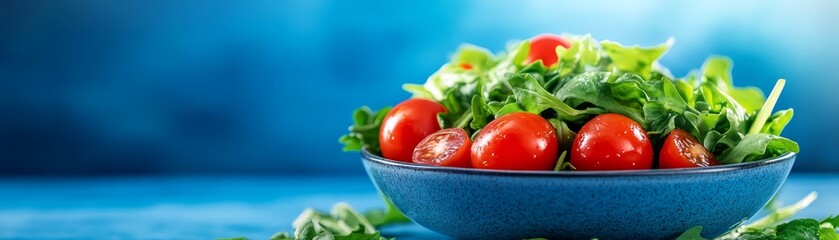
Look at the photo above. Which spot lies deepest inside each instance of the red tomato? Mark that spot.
(447, 147)
(406, 125)
(681, 150)
(543, 47)
(466, 66)
(516, 141)
(611, 142)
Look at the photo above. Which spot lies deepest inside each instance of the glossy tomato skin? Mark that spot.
(611, 142)
(406, 125)
(448, 147)
(544, 47)
(516, 141)
(682, 150)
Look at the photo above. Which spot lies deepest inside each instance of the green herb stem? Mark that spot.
(768, 106)
(783, 213)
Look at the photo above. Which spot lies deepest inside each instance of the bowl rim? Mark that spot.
(367, 156)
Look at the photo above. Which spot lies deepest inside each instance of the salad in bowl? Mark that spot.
(571, 103)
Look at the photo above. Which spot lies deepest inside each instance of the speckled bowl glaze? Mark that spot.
(647, 204)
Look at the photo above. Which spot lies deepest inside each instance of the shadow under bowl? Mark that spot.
(468, 203)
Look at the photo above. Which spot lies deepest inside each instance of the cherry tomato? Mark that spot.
(682, 150)
(543, 47)
(465, 66)
(516, 141)
(406, 125)
(448, 147)
(611, 142)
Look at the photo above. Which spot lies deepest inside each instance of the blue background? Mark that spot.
(266, 87)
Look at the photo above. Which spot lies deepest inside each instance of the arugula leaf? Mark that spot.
(281, 236)
(361, 236)
(458, 103)
(345, 214)
(692, 234)
(833, 220)
(561, 164)
(531, 97)
(564, 134)
(732, 124)
(758, 146)
(665, 108)
(481, 114)
(827, 231)
(306, 230)
(776, 123)
(342, 223)
(766, 234)
(592, 87)
(703, 124)
(389, 215)
(768, 228)
(800, 229)
(365, 130)
(782, 213)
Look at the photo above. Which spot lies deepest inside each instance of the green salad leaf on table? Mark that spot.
(344, 223)
(568, 81)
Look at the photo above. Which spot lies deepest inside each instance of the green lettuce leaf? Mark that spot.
(452, 75)
(717, 70)
(634, 59)
(583, 52)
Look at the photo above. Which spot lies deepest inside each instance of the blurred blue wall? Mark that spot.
(131, 87)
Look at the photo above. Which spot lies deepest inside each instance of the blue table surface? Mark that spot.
(198, 207)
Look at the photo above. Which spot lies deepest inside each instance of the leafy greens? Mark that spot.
(772, 226)
(735, 123)
(344, 223)
(341, 223)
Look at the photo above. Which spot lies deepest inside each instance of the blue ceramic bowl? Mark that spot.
(646, 204)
